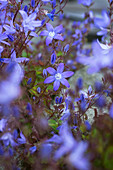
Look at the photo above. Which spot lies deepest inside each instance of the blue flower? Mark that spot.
(32, 149)
(52, 33)
(85, 2)
(22, 139)
(2, 124)
(102, 57)
(29, 22)
(58, 76)
(103, 22)
(7, 139)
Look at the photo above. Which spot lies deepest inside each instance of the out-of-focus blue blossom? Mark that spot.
(98, 86)
(44, 72)
(102, 22)
(86, 3)
(88, 126)
(10, 151)
(58, 76)
(26, 8)
(10, 37)
(53, 57)
(14, 59)
(102, 57)
(1, 150)
(65, 139)
(39, 90)
(9, 29)
(79, 83)
(15, 134)
(3, 4)
(29, 108)
(103, 31)
(66, 48)
(7, 139)
(9, 88)
(32, 149)
(2, 124)
(29, 81)
(111, 111)
(52, 33)
(29, 22)
(77, 157)
(33, 3)
(45, 151)
(22, 139)
(101, 101)
(66, 114)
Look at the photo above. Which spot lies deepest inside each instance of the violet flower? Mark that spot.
(52, 33)
(102, 57)
(103, 22)
(86, 3)
(58, 76)
(29, 22)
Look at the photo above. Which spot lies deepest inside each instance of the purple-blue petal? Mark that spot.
(65, 82)
(58, 37)
(51, 70)
(49, 79)
(58, 29)
(49, 40)
(56, 85)
(67, 74)
(60, 68)
(44, 33)
(49, 27)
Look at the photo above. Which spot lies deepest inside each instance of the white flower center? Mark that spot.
(51, 34)
(58, 76)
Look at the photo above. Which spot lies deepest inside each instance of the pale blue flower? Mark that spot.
(58, 76)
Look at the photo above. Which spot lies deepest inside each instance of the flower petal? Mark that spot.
(67, 74)
(44, 33)
(56, 85)
(65, 82)
(51, 70)
(58, 37)
(24, 14)
(49, 79)
(60, 68)
(58, 29)
(49, 27)
(49, 40)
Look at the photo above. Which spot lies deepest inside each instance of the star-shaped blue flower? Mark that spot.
(52, 33)
(29, 22)
(58, 76)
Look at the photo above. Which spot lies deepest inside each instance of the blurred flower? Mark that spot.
(29, 22)
(33, 3)
(22, 139)
(102, 57)
(2, 124)
(58, 76)
(52, 33)
(102, 22)
(32, 149)
(77, 157)
(8, 139)
(66, 48)
(85, 2)
(111, 111)
(9, 88)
